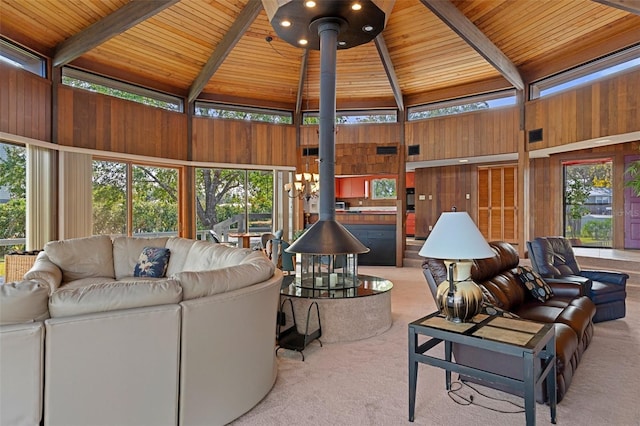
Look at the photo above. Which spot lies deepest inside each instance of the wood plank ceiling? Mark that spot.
(433, 50)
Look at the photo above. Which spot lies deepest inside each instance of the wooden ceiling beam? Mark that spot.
(110, 26)
(230, 39)
(631, 6)
(461, 25)
(390, 70)
(301, 81)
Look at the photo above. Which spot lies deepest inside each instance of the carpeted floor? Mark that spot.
(365, 382)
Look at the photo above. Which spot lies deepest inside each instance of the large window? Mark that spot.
(215, 110)
(106, 86)
(462, 105)
(354, 117)
(588, 202)
(20, 58)
(231, 201)
(588, 73)
(152, 205)
(383, 189)
(13, 200)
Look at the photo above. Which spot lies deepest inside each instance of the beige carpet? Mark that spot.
(365, 382)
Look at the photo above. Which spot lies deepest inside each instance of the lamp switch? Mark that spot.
(468, 196)
(430, 197)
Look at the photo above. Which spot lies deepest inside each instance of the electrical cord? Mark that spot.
(458, 398)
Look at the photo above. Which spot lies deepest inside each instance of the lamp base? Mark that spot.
(462, 301)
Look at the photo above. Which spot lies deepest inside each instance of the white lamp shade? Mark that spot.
(455, 236)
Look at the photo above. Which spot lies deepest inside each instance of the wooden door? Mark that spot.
(497, 203)
(631, 212)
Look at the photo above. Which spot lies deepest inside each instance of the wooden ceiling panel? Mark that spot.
(425, 51)
(51, 22)
(170, 49)
(258, 69)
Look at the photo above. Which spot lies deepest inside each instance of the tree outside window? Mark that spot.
(383, 189)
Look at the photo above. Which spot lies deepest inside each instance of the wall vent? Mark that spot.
(386, 150)
(414, 149)
(307, 152)
(535, 135)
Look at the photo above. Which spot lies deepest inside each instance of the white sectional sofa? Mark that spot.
(84, 342)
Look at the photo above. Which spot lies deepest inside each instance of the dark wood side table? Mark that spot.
(526, 339)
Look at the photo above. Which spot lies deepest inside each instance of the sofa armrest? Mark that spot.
(610, 277)
(46, 272)
(570, 285)
(564, 288)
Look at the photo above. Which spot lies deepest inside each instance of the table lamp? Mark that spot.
(456, 240)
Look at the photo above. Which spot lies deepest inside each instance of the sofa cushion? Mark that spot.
(179, 248)
(82, 257)
(113, 296)
(538, 287)
(490, 309)
(207, 283)
(23, 301)
(126, 253)
(152, 262)
(204, 255)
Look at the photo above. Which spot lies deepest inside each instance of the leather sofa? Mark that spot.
(553, 259)
(569, 309)
(194, 347)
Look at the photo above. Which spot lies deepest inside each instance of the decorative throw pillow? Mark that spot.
(538, 287)
(152, 262)
(489, 309)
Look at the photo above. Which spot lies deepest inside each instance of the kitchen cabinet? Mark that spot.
(381, 241)
(411, 224)
(351, 187)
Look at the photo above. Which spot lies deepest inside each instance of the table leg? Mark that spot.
(413, 372)
(551, 379)
(447, 356)
(529, 389)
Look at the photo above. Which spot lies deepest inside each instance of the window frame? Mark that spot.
(286, 115)
(18, 57)
(586, 72)
(508, 96)
(110, 83)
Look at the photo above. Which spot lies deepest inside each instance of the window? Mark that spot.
(153, 204)
(596, 70)
(354, 117)
(383, 189)
(214, 110)
(588, 202)
(106, 86)
(13, 200)
(232, 200)
(462, 105)
(20, 58)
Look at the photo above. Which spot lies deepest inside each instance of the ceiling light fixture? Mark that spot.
(285, 23)
(356, 6)
(367, 28)
(310, 4)
(302, 42)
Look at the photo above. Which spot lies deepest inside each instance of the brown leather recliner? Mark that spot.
(569, 309)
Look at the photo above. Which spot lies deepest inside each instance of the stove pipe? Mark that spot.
(327, 236)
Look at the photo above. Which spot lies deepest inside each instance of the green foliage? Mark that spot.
(382, 189)
(633, 171)
(232, 114)
(451, 110)
(599, 230)
(122, 94)
(577, 193)
(13, 213)
(13, 169)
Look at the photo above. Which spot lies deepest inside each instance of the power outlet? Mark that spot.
(468, 196)
(430, 228)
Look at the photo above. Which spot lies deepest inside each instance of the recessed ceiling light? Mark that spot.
(310, 3)
(463, 161)
(285, 23)
(356, 6)
(302, 42)
(367, 28)
(342, 43)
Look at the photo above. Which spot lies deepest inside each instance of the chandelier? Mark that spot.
(306, 186)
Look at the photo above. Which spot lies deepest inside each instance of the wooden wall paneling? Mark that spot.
(607, 107)
(470, 134)
(25, 101)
